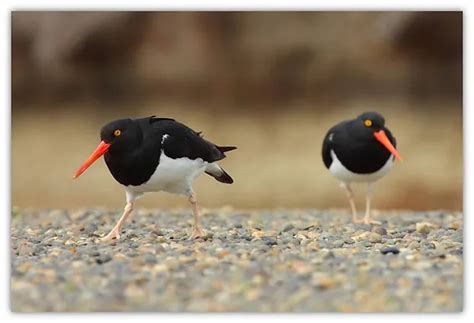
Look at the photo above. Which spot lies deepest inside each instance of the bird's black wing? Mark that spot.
(328, 143)
(178, 140)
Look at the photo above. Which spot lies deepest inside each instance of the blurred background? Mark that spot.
(271, 83)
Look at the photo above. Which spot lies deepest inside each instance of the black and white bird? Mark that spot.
(360, 150)
(157, 154)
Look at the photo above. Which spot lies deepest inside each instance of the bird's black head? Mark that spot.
(119, 132)
(372, 121)
(117, 137)
(370, 126)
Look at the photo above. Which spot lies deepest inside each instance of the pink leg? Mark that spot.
(350, 195)
(367, 219)
(115, 232)
(197, 229)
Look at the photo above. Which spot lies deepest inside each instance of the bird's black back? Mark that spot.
(182, 140)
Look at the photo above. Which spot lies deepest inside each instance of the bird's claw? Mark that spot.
(197, 233)
(355, 219)
(369, 221)
(114, 234)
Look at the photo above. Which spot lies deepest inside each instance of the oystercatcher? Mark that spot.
(157, 154)
(360, 150)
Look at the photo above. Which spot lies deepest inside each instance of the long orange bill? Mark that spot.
(382, 138)
(99, 151)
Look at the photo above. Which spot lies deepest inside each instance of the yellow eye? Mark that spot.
(117, 133)
(368, 123)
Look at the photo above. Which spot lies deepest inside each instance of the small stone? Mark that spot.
(313, 245)
(368, 236)
(305, 242)
(221, 253)
(424, 227)
(269, 241)
(348, 240)
(160, 239)
(414, 245)
(288, 227)
(102, 259)
(380, 230)
(326, 254)
(338, 243)
(455, 225)
(94, 253)
(24, 267)
(258, 234)
(300, 237)
(134, 245)
(149, 258)
(375, 237)
(90, 227)
(324, 281)
(158, 232)
(311, 226)
(391, 249)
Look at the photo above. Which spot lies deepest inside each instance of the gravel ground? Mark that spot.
(278, 260)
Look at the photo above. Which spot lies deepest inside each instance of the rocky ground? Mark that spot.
(279, 260)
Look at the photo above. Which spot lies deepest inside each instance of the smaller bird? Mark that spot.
(360, 150)
(157, 154)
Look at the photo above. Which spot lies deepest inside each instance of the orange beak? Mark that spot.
(382, 138)
(99, 151)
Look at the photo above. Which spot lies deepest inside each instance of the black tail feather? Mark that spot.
(222, 177)
(223, 149)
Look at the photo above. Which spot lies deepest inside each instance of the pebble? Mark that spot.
(368, 236)
(424, 227)
(269, 241)
(456, 225)
(326, 254)
(387, 250)
(288, 227)
(149, 258)
(90, 227)
(102, 259)
(379, 230)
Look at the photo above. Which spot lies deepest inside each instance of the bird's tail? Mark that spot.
(218, 173)
(223, 149)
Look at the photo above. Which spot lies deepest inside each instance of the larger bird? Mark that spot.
(360, 150)
(157, 154)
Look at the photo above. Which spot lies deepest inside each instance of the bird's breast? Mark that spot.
(173, 175)
(343, 173)
(132, 168)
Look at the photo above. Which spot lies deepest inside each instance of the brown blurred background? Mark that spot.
(271, 83)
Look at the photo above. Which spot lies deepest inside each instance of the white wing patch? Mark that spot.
(214, 169)
(163, 138)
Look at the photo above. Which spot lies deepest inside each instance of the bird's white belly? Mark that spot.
(345, 175)
(172, 176)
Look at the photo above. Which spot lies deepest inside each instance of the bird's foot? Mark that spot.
(197, 233)
(370, 221)
(355, 219)
(114, 234)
